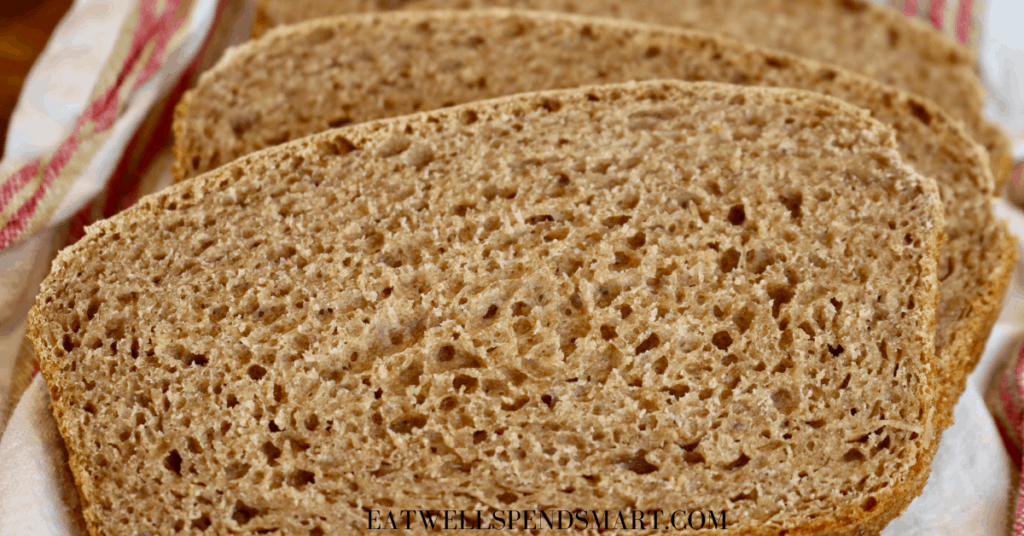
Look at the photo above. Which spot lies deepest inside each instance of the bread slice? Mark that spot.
(858, 35)
(653, 295)
(384, 65)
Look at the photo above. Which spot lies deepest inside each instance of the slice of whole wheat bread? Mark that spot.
(650, 295)
(383, 65)
(859, 35)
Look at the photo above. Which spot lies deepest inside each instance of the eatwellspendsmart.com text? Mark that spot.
(678, 520)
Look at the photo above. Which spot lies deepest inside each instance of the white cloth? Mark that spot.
(969, 490)
(1001, 57)
(37, 494)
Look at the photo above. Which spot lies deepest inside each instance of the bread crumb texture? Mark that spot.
(860, 35)
(272, 90)
(659, 295)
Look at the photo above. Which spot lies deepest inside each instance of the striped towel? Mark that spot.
(85, 176)
(1007, 405)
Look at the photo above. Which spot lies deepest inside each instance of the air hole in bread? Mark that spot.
(201, 523)
(746, 496)
(744, 318)
(551, 105)
(638, 463)
(462, 381)
(759, 259)
(737, 215)
(920, 112)
(257, 372)
(780, 295)
(196, 359)
(408, 423)
(793, 202)
(68, 344)
(236, 470)
(677, 391)
(606, 294)
(300, 477)
(637, 240)
(738, 462)
(722, 340)
(508, 497)
(516, 405)
(548, 400)
(786, 363)
(853, 455)
(616, 221)
(522, 326)
(784, 401)
(492, 311)
(271, 452)
(173, 462)
(243, 513)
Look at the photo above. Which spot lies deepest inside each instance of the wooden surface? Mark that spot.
(25, 26)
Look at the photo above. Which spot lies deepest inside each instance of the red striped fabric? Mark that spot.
(936, 12)
(963, 20)
(965, 13)
(153, 30)
(1015, 412)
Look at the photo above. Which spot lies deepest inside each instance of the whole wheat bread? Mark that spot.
(651, 295)
(273, 89)
(859, 35)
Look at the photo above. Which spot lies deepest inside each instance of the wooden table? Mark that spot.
(25, 26)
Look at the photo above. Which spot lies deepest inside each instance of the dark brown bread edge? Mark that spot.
(991, 303)
(179, 171)
(851, 520)
(999, 147)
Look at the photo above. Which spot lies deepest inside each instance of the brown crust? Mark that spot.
(83, 484)
(999, 147)
(989, 305)
(181, 112)
(848, 520)
(261, 21)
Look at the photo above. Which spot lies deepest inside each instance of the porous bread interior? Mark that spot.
(873, 40)
(271, 91)
(657, 295)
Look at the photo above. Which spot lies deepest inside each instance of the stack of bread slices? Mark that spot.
(423, 258)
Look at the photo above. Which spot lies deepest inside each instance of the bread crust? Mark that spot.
(932, 141)
(859, 35)
(77, 264)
